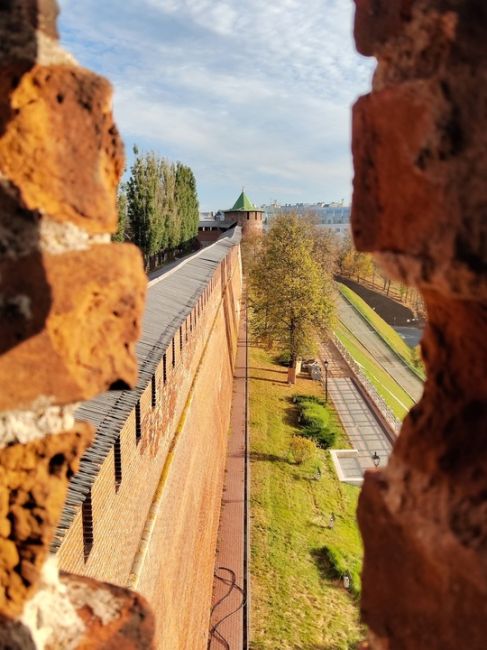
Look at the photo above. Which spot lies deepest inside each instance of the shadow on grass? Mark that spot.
(291, 414)
(272, 381)
(270, 458)
(278, 372)
(326, 569)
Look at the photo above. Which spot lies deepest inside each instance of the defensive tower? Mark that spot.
(246, 214)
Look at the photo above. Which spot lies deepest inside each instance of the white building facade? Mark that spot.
(333, 216)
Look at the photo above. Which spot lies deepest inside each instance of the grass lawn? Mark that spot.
(296, 604)
(391, 392)
(384, 330)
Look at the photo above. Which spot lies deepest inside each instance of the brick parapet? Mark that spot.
(121, 513)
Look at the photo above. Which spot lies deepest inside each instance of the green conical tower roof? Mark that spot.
(244, 204)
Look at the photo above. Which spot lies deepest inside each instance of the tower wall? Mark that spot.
(250, 222)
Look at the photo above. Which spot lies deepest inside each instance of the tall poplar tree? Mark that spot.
(145, 201)
(161, 204)
(123, 230)
(187, 202)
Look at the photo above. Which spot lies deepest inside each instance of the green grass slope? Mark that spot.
(396, 398)
(298, 600)
(410, 356)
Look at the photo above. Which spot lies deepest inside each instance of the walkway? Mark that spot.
(227, 624)
(364, 431)
(380, 350)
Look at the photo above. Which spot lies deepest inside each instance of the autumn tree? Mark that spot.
(352, 262)
(290, 295)
(326, 247)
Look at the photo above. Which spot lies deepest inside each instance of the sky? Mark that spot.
(248, 93)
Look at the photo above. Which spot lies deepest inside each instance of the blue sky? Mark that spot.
(247, 92)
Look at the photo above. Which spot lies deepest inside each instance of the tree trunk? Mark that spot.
(291, 373)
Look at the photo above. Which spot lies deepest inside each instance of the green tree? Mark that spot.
(159, 205)
(290, 295)
(123, 230)
(146, 203)
(187, 204)
(170, 214)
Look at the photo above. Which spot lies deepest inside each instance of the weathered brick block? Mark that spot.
(419, 143)
(378, 20)
(33, 483)
(400, 198)
(59, 146)
(70, 324)
(115, 618)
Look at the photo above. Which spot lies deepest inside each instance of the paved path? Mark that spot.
(363, 429)
(228, 598)
(379, 350)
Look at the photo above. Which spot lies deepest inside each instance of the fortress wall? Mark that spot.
(183, 543)
(176, 574)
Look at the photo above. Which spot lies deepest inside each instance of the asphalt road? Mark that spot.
(379, 350)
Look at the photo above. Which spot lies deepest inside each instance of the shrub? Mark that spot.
(301, 399)
(314, 418)
(283, 359)
(302, 449)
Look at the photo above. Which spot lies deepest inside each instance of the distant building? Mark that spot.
(333, 216)
(212, 225)
(247, 215)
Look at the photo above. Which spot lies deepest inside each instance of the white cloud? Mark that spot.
(246, 92)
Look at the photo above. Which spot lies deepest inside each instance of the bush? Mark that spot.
(314, 418)
(283, 359)
(302, 449)
(301, 399)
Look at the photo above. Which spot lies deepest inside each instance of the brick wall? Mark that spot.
(63, 287)
(181, 539)
(420, 202)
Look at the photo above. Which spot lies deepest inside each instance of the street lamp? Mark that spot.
(325, 363)
(376, 459)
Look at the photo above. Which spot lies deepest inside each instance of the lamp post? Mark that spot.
(376, 459)
(325, 363)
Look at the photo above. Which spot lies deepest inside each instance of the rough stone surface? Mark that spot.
(419, 145)
(75, 182)
(70, 305)
(114, 618)
(33, 482)
(378, 20)
(75, 318)
(420, 200)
